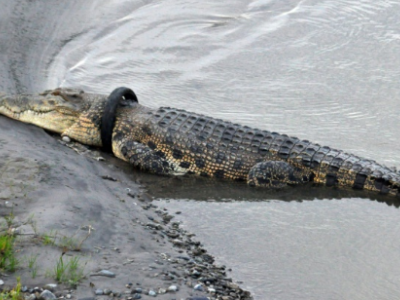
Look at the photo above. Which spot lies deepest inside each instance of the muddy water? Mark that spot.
(324, 70)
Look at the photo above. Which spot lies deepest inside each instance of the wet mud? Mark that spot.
(108, 218)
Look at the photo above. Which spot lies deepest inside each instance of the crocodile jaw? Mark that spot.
(49, 120)
(40, 112)
(53, 112)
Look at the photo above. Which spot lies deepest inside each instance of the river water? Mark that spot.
(323, 70)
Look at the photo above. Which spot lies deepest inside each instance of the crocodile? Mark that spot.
(170, 141)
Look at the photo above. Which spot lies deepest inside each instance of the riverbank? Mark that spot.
(71, 204)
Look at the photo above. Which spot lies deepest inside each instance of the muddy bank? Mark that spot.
(94, 210)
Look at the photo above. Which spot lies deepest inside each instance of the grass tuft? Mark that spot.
(32, 265)
(14, 294)
(8, 260)
(68, 271)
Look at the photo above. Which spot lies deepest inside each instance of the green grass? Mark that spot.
(50, 238)
(14, 294)
(32, 265)
(8, 260)
(9, 219)
(68, 271)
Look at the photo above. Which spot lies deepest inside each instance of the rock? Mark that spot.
(136, 296)
(107, 291)
(68, 296)
(152, 293)
(104, 273)
(50, 286)
(47, 295)
(195, 273)
(173, 288)
(1, 283)
(137, 290)
(30, 297)
(162, 291)
(24, 289)
(178, 242)
(211, 290)
(98, 292)
(198, 287)
(66, 139)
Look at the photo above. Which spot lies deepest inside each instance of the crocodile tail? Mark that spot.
(333, 167)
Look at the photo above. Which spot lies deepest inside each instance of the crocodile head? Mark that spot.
(68, 112)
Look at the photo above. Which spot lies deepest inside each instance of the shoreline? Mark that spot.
(128, 247)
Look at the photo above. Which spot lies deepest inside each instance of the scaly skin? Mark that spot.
(176, 142)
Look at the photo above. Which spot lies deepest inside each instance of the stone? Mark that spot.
(198, 287)
(47, 295)
(137, 290)
(51, 287)
(98, 292)
(152, 293)
(173, 288)
(30, 297)
(107, 291)
(104, 273)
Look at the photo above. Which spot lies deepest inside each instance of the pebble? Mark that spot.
(152, 293)
(173, 288)
(1, 282)
(107, 291)
(162, 291)
(104, 273)
(30, 297)
(211, 290)
(50, 286)
(98, 292)
(198, 287)
(196, 273)
(136, 296)
(178, 242)
(68, 296)
(137, 290)
(47, 295)
(66, 139)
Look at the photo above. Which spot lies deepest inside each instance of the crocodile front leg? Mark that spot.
(276, 174)
(144, 158)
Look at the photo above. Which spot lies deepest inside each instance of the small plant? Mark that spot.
(32, 265)
(8, 261)
(69, 272)
(70, 243)
(14, 294)
(9, 219)
(31, 221)
(50, 238)
(75, 272)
